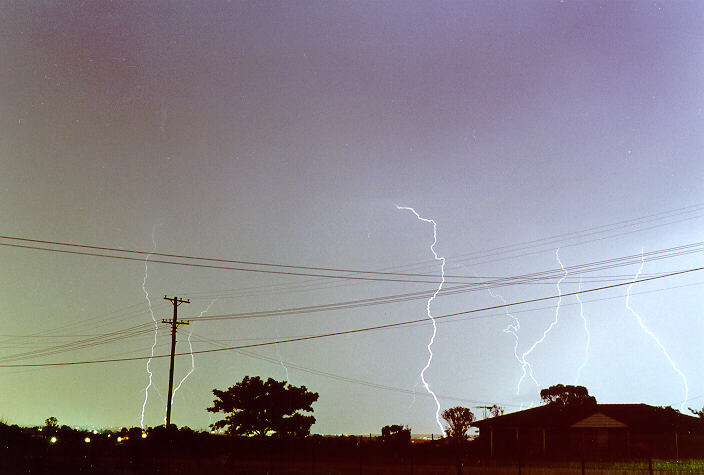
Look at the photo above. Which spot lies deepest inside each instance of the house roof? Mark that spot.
(641, 417)
(598, 420)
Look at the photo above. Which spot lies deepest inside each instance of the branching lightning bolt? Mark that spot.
(549, 328)
(430, 315)
(190, 371)
(156, 329)
(190, 349)
(513, 329)
(652, 335)
(586, 330)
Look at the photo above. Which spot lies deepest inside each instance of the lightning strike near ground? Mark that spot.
(653, 336)
(552, 324)
(513, 329)
(190, 350)
(430, 315)
(190, 371)
(281, 361)
(586, 330)
(156, 330)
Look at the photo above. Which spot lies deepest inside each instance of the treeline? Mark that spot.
(62, 449)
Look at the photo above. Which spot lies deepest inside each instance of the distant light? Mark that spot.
(119, 439)
(95, 432)
(87, 440)
(109, 435)
(40, 429)
(53, 440)
(144, 435)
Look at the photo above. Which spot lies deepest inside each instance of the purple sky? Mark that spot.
(288, 133)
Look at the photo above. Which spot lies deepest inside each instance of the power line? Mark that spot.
(207, 266)
(515, 248)
(214, 259)
(81, 344)
(527, 278)
(272, 339)
(685, 249)
(347, 379)
(359, 330)
(299, 267)
(521, 279)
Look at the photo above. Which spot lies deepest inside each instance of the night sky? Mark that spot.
(534, 134)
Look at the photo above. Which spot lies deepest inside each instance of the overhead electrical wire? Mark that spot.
(347, 379)
(562, 240)
(211, 259)
(586, 232)
(101, 339)
(207, 266)
(426, 322)
(685, 249)
(526, 278)
(109, 318)
(474, 286)
(147, 327)
(359, 330)
(423, 322)
(578, 234)
(462, 257)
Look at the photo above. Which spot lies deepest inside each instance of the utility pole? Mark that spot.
(174, 323)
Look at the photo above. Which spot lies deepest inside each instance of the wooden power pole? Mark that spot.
(174, 323)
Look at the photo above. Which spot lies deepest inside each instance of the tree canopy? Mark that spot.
(496, 410)
(256, 407)
(396, 435)
(458, 421)
(567, 395)
(51, 426)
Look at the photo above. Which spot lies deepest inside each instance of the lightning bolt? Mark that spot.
(513, 329)
(549, 328)
(430, 315)
(586, 330)
(278, 350)
(190, 349)
(652, 335)
(156, 327)
(278, 353)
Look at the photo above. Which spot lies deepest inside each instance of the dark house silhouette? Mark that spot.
(592, 431)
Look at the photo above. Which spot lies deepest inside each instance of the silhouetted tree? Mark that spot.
(51, 426)
(567, 395)
(496, 410)
(256, 407)
(698, 413)
(458, 421)
(396, 436)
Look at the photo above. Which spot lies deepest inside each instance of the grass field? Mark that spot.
(156, 463)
